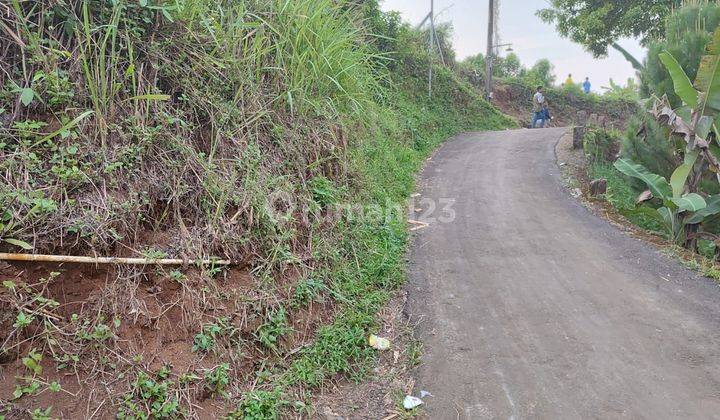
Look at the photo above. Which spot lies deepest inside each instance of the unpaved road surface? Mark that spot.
(532, 307)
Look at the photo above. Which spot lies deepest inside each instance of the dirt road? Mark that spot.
(532, 307)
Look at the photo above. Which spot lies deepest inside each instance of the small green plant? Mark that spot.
(259, 405)
(177, 276)
(22, 320)
(150, 398)
(323, 191)
(41, 414)
(414, 352)
(622, 196)
(29, 130)
(67, 360)
(154, 254)
(306, 290)
(273, 329)
(28, 388)
(32, 362)
(97, 333)
(55, 387)
(206, 339)
(601, 145)
(213, 270)
(217, 380)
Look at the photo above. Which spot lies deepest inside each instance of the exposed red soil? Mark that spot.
(158, 318)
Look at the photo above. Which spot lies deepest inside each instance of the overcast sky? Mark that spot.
(532, 39)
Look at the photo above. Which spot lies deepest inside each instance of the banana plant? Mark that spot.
(695, 121)
(680, 208)
(683, 209)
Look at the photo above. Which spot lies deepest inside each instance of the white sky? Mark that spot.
(532, 39)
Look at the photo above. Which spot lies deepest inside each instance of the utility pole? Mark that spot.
(432, 45)
(434, 42)
(489, 57)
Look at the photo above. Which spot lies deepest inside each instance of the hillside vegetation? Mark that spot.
(666, 179)
(515, 85)
(280, 134)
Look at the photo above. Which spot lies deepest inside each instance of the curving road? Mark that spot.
(532, 307)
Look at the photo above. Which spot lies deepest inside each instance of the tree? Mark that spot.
(508, 66)
(541, 74)
(688, 31)
(599, 24)
(476, 62)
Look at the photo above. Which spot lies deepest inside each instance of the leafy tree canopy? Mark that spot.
(598, 24)
(541, 73)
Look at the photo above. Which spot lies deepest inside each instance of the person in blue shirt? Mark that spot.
(587, 85)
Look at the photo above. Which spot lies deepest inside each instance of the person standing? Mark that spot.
(569, 81)
(587, 85)
(538, 108)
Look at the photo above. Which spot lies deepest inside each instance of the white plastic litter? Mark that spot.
(411, 402)
(379, 343)
(424, 394)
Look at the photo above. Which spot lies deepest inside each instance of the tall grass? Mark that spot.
(321, 60)
(208, 78)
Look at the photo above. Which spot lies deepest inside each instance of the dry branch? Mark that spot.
(106, 260)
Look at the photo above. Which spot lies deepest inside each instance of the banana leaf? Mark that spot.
(679, 176)
(708, 77)
(656, 183)
(712, 208)
(683, 87)
(689, 202)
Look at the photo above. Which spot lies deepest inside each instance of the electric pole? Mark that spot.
(433, 42)
(489, 57)
(432, 45)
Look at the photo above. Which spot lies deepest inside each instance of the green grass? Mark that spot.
(370, 263)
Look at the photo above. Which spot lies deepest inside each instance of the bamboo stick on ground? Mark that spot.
(105, 260)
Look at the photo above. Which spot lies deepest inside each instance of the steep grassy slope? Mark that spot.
(279, 134)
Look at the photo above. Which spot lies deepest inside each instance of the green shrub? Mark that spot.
(630, 92)
(601, 145)
(274, 328)
(151, 397)
(648, 143)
